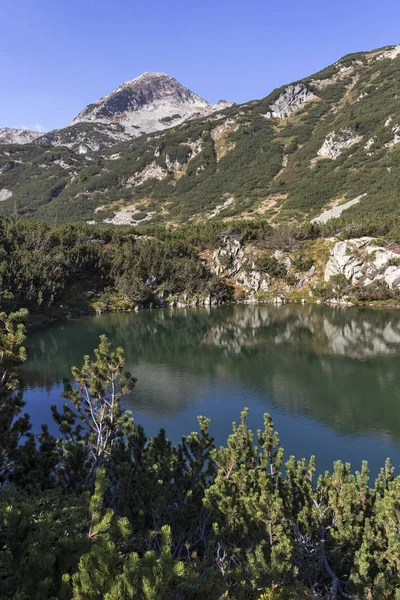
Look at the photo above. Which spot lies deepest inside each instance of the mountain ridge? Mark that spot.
(18, 135)
(309, 146)
(151, 102)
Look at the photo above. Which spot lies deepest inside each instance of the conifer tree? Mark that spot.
(377, 560)
(252, 545)
(143, 519)
(41, 538)
(96, 422)
(13, 427)
(107, 572)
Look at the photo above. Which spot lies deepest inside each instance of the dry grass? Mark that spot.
(220, 136)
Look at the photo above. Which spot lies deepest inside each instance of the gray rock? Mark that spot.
(336, 211)
(335, 143)
(362, 262)
(290, 100)
(287, 263)
(5, 194)
(229, 259)
(392, 276)
(311, 272)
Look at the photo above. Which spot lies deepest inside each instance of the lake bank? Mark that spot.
(37, 320)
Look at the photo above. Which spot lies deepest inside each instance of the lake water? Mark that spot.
(329, 377)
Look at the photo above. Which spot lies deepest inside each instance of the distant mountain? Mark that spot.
(149, 103)
(9, 135)
(154, 152)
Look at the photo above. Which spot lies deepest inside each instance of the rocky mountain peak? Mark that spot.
(151, 75)
(150, 102)
(157, 86)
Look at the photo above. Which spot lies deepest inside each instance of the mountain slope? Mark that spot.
(330, 140)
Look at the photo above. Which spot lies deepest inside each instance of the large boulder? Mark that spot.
(335, 143)
(346, 259)
(360, 261)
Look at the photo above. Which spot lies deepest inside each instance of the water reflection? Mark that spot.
(336, 366)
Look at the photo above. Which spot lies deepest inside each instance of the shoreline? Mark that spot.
(48, 318)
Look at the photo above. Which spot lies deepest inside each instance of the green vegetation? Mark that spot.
(270, 265)
(81, 267)
(100, 511)
(62, 270)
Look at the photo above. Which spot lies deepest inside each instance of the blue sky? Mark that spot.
(59, 55)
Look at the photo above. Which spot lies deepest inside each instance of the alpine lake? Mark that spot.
(328, 376)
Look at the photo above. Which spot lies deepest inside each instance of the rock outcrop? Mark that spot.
(291, 99)
(5, 194)
(342, 73)
(396, 137)
(238, 265)
(335, 143)
(362, 262)
(152, 171)
(229, 258)
(233, 263)
(391, 53)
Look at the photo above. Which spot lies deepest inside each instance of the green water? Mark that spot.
(329, 377)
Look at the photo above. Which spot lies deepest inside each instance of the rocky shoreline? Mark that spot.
(324, 271)
(48, 319)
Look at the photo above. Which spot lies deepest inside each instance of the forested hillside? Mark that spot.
(317, 143)
(73, 269)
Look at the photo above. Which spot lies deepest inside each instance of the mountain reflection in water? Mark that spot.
(322, 367)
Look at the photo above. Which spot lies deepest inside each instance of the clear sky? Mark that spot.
(56, 56)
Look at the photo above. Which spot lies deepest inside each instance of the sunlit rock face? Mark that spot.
(229, 258)
(148, 103)
(361, 261)
(291, 99)
(231, 261)
(335, 143)
(391, 53)
(5, 194)
(336, 211)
